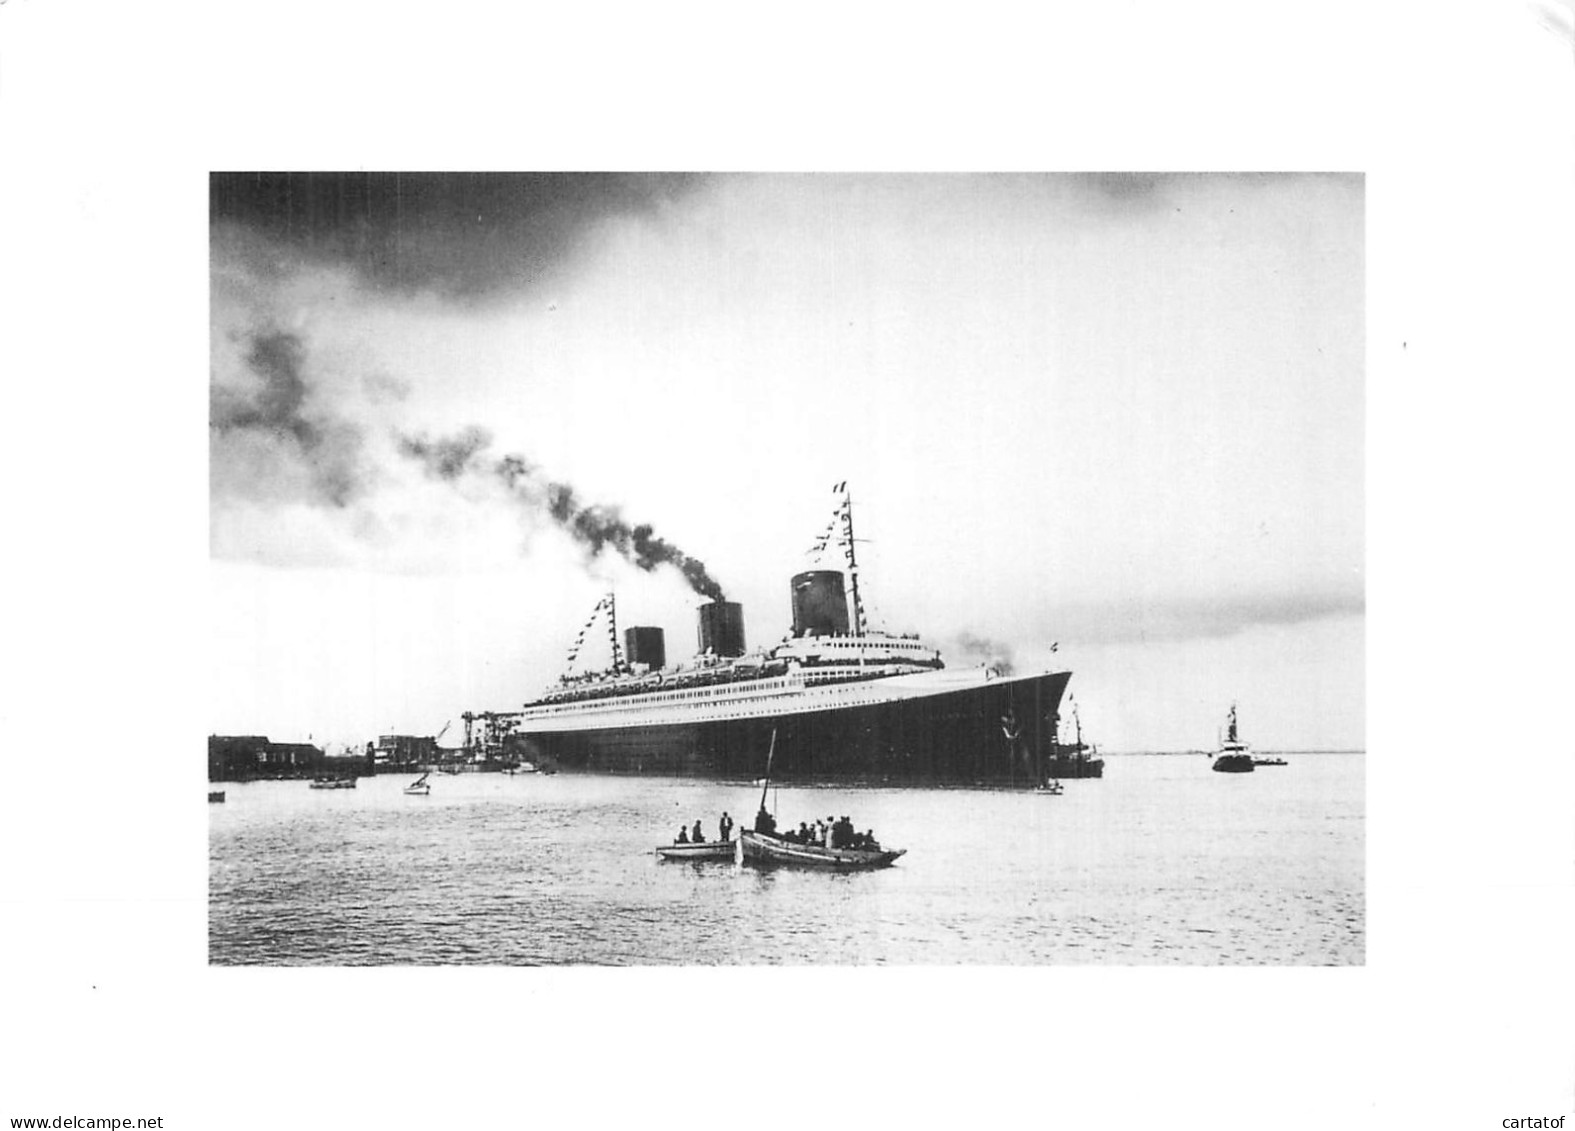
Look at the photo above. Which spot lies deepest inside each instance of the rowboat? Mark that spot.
(770, 849)
(333, 783)
(216, 795)
(706, 850)
(762, 846)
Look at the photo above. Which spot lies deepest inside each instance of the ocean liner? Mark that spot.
(847, 703)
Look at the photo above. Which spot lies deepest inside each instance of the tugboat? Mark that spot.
(1233, 756)
(1075, 759)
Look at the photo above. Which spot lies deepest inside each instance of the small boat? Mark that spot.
(705, 850)
(1053, 788)
(333, 783)
(216, 795)
(419, 787)
(768, 848)
(764, 847)
(1268, 761)
(1234, 756)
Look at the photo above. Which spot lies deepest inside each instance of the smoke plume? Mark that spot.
(270, 420)
(992, 653)
(596, 527)
(276, 436)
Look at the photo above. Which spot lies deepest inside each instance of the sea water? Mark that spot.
(1160, 862)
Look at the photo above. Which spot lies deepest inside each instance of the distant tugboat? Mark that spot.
(1233, 756)
(1075, 759)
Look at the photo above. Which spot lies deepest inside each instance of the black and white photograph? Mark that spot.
(624, 568)
(918, 567)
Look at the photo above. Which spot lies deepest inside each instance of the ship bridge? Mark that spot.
(875, 649)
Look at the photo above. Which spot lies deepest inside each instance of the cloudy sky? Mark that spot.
(1118, 413)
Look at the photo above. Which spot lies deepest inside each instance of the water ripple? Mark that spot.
(1161, 862)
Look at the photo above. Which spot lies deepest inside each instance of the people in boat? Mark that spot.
(725, 826)
(683, 835)
(803, 833)
(842, 833)
(765, 822)
(697, 837)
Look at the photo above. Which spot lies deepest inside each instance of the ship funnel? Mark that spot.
(722, 628)
(647, 646)
(820, 604)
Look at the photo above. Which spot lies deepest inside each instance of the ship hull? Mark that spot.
(1233, 764)
(1074, 766)
(997, 733)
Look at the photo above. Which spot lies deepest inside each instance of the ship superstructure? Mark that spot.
(848, 703)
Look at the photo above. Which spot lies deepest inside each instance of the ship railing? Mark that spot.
(740, 691)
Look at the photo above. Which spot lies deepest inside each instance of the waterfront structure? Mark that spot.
(244, 757)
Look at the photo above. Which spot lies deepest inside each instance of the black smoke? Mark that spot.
(448, 457)
(275, 409)
(598, 528)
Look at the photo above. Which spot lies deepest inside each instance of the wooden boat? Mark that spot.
(770, 849)
(216, 795)
(1233, 756)
(419, 787)
(333, 783)
(764, 847)
(706, 850)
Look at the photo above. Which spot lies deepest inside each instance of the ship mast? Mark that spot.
(612, 631)
(853, 564)
(608, 603)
